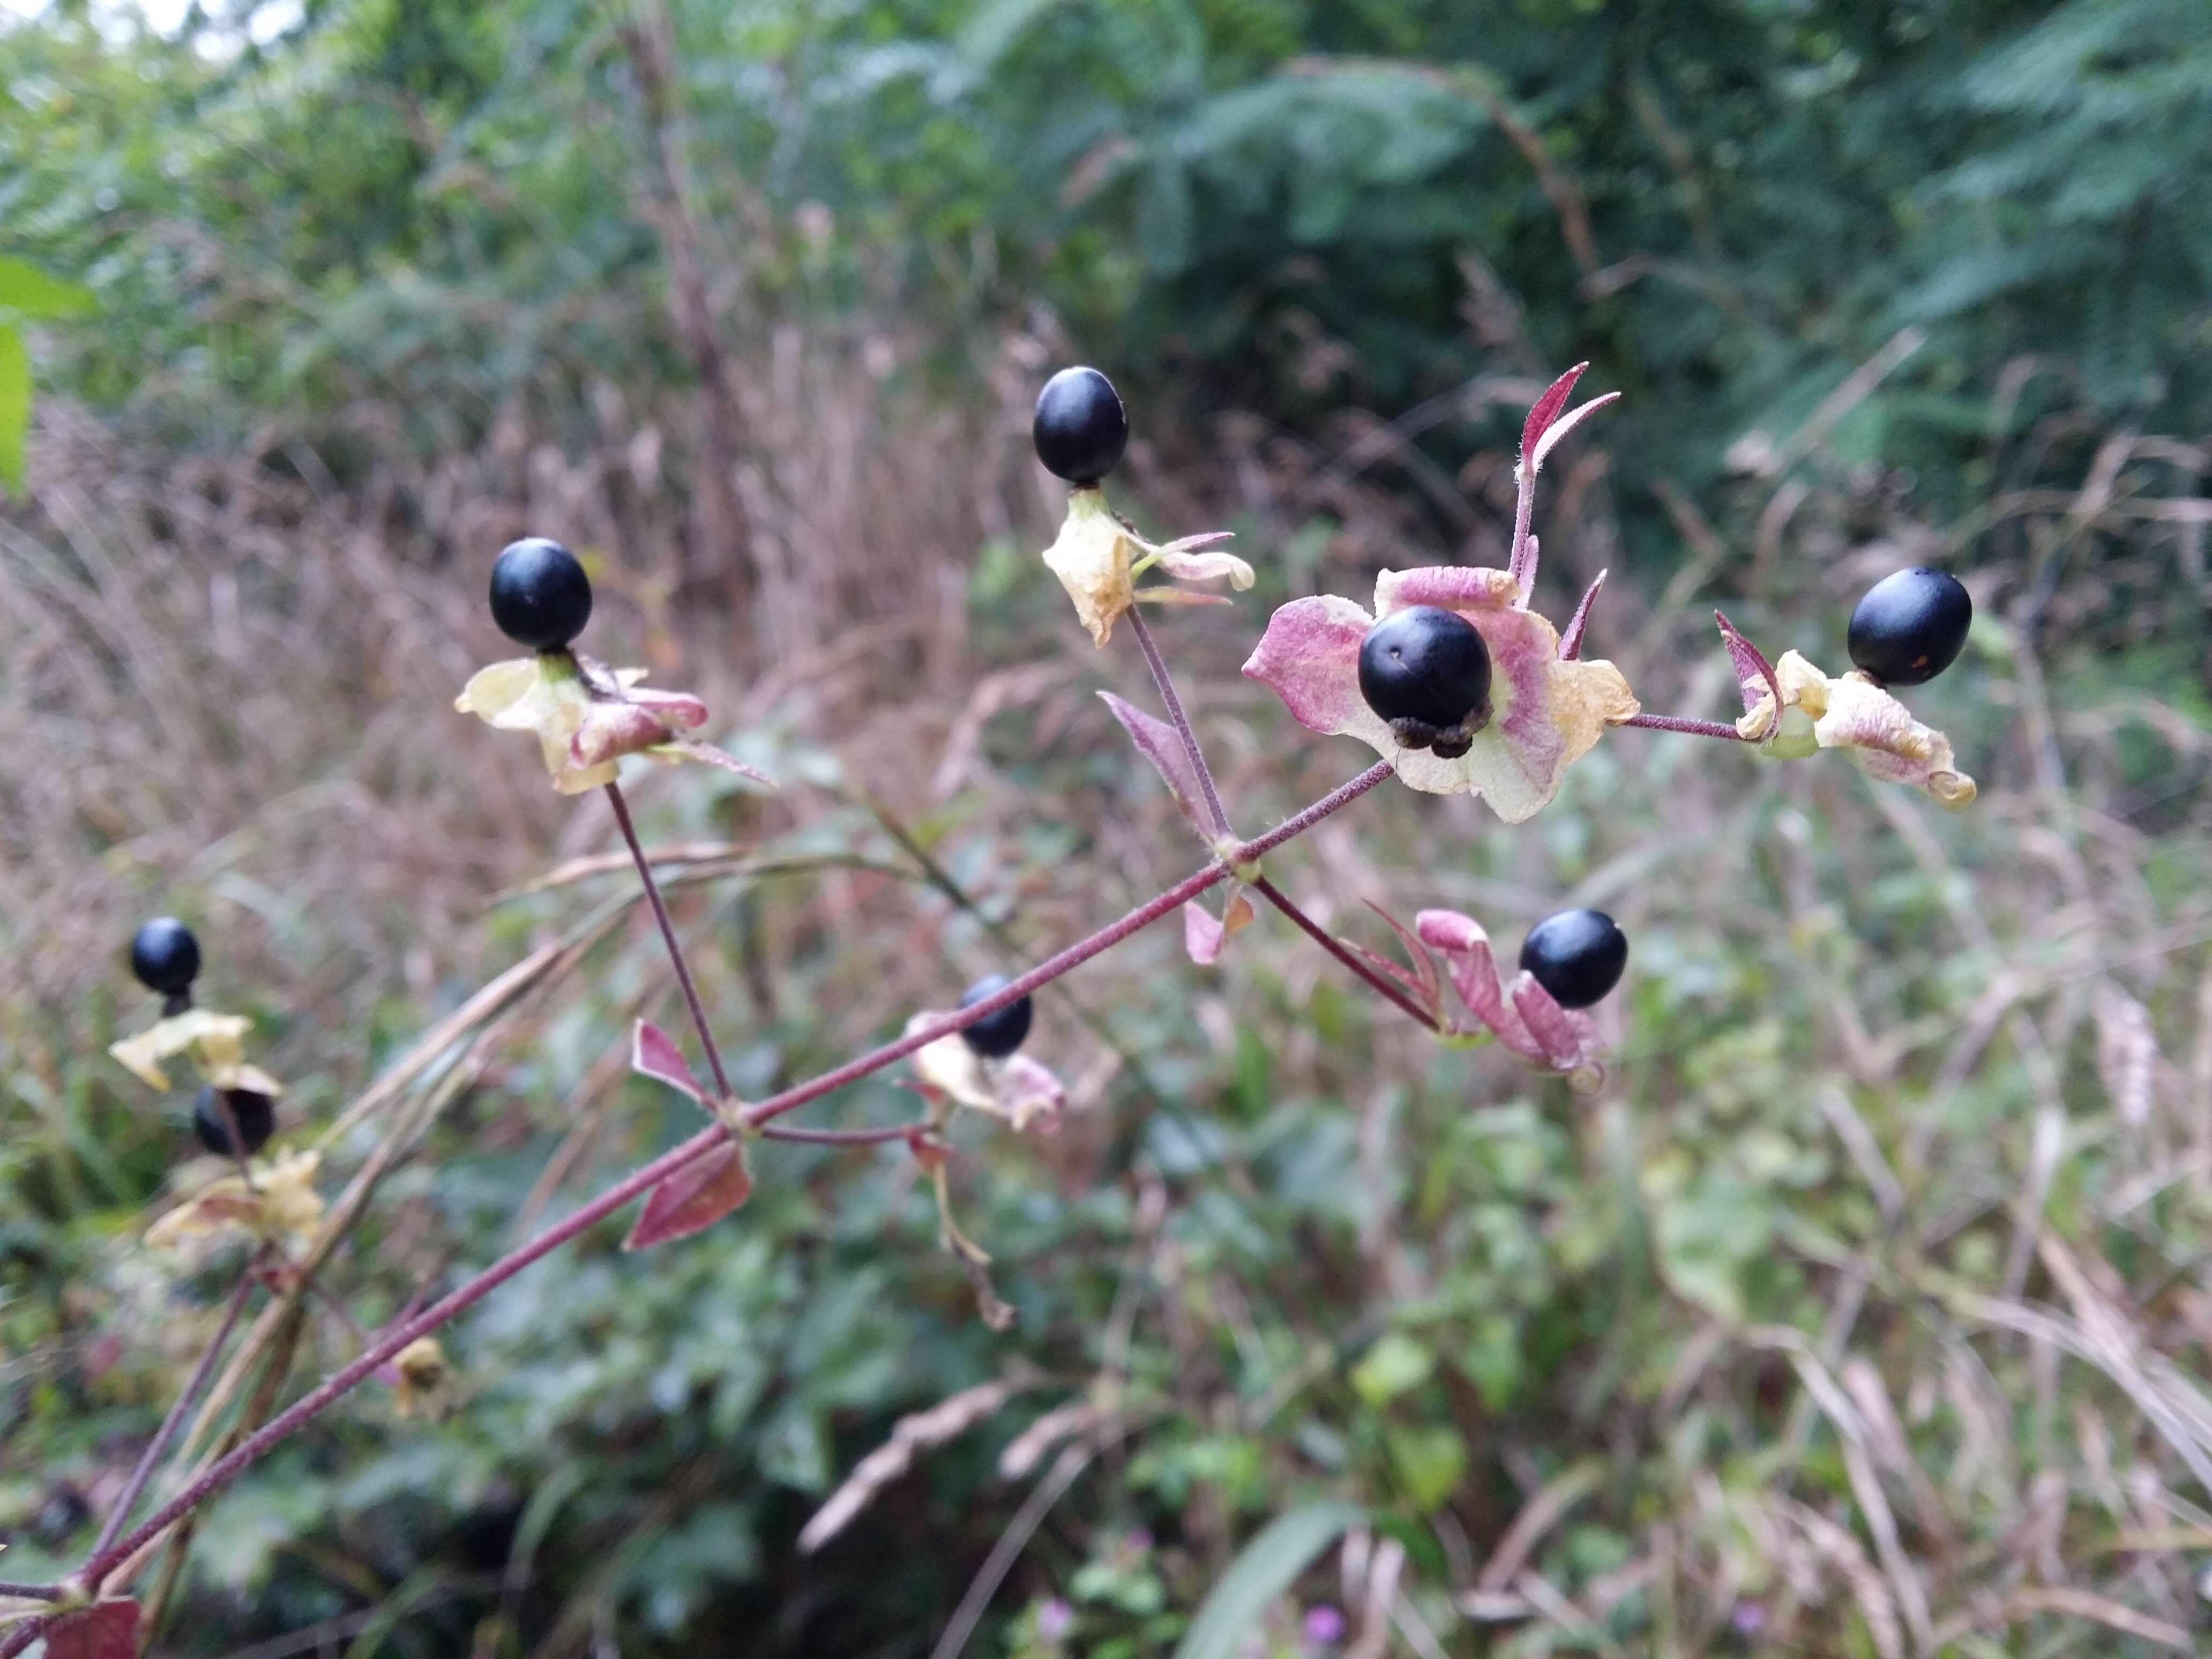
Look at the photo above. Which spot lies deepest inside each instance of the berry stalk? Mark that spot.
(254, 1447)
(1328, 942)
(722, 1089)
(1178, 719)
(1684, 723)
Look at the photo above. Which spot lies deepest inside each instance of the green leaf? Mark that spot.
(1263, 1571)
(15, 405)
(26, 289)
(1429, 1462)
(1393, 1365)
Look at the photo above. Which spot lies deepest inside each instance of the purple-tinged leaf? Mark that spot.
(654, 1054)
(694, 1198)
(1570, 643)
(1546, 410)
(1565, 424)
(1754, 673)
(1429, 984)
(1203, 937)
(1192, 544)
(1552, 1026)
(1390, 971)
(1156, 741)
(107, 1630)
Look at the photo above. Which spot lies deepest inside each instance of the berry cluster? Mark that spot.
(166, 957)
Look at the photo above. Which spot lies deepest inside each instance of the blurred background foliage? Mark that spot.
(1859, 1315)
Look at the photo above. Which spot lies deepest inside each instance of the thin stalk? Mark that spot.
(1682, 723)
(1179, 720)
(877, 1137)
(227, 1468)
(31, 1592)
(723, 1092)
(1519, 563)
(158, 1447)
(1328, 942)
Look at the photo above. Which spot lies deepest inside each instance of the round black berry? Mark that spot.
(1910, 627)
(165, 956)
(540, 596)
(1426, 671)
(255, 1112)
(1081, 428)
(996, 1036)
(1576, 955)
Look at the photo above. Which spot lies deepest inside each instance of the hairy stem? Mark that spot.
(227, 1468)
(158, 1447)
(1178, 719)
(668, 935)
(1520, 563)
(1335, 947)
(1682, 723)
(876, 1136)
(31, 1592)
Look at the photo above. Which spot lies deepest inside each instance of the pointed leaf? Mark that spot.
(654, 1054)
(1567, 424)
(697, 751)
(1752, 671)
(1389, 970)
(693, 1198)
(1156, 741)
(1546, 410)
(1267, 1566)
(1431, 984)
(1570, 643)
(1203, 937)
(108, 1630)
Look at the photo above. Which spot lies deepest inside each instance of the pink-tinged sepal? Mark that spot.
(947, 1072)
(1098, 557)
(1546, 410)
(1425, 982)
(1754, 675)
(1156, 741)
(693, 1198)
(106, 1629)
(654, 1054)
(1570, 643)
(1546, 713)
(1801, 710)
(1520, 1013)
(1203, 938)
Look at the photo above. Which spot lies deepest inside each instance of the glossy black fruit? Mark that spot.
(996, 1036)
(255, 1112)
(165, 956)
(1426, 671)
(1081, 428)
(1576, 955)
(540, 596)
(1910, 627)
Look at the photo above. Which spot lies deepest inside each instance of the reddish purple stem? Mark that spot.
(668, 936)
(225, 1469)
(1328, 942)
(1179, 720)
(1682, 723)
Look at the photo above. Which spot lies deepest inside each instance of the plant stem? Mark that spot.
(877, 1136)
(1520, 562)
(1328, 942)
(227, 1468)
(668, 935)
(31, 1592)
(1178, 719)
(158, 1447)
(1684, 723)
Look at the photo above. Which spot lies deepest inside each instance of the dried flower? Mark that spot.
(215, 1041)
(1098, 557)
(279, 1206)
(1024, 1091)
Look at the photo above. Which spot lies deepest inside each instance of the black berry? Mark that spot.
(255, 1112)
(540, 596)
(165, 956)
(1576, 955)
(1426, 671)
(1910, 627)
(996, 1036)
(1081, 428)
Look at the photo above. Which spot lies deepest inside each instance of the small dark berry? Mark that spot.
(165, 956)
(540, 596)
(1426, 671)
(996, 1036)
(1081, 428)
(1910, 627)
(1576, 955)
(255, 1112)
